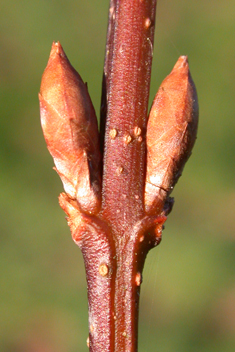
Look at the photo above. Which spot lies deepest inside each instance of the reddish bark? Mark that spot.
(117, 224)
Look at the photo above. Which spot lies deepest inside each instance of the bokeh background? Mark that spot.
(188, 293)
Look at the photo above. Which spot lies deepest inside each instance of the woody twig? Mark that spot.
(117, 181)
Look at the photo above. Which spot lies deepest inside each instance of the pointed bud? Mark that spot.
(171, 133)
(70, 129)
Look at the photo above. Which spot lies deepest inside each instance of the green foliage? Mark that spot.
(188, 293)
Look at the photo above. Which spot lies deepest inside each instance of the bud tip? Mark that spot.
(182, 62)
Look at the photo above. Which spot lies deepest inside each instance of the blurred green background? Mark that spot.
(188, 293)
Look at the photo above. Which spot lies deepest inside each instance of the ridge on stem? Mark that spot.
(117, 181)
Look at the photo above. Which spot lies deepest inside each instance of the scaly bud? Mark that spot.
(171, 133)
(70, 129)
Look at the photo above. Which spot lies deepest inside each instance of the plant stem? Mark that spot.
(126, 84)
(127, 75)
(117, 225)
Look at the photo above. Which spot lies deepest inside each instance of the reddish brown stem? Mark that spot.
(127, 73)
(116, 227)
(127, 81)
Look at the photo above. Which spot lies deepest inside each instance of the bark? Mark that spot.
(118, 181)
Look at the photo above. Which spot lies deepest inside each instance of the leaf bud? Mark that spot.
(70, 129)
(171, 133)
